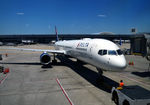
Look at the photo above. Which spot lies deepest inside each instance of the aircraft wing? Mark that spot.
(37, 50)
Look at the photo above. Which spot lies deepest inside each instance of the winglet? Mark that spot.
(57, 39)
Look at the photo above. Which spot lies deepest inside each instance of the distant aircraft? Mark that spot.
(27, 41)
(119, 42)
(10, 44)
(101, 53)
(1, 43)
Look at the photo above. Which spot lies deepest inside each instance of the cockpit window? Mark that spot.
(112, 52)
(119, 52)
(102, 52)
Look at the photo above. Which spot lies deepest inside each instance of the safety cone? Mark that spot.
(129, 63)
(6, 71)
(132, 63)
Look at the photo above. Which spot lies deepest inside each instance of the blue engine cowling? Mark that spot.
(45, 58)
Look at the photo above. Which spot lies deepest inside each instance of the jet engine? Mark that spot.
(45, 58)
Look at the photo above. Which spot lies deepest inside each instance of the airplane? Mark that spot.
(1, 43)
(101, 53)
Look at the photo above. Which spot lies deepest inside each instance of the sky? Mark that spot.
(73, 16)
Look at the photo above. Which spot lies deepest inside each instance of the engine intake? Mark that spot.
(45, 58)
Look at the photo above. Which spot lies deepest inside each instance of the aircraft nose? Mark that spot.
(119, 63)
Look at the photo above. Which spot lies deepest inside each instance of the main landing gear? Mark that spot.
(54, 61)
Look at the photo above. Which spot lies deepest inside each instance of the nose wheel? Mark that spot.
(100, 73)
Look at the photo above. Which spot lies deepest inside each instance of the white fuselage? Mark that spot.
(100, 53)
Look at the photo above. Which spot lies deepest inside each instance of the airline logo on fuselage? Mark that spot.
(83, 45)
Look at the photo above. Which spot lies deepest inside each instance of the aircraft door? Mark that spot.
(92, 47)
(91, 51)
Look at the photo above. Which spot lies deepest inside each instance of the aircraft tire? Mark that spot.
(54, 61)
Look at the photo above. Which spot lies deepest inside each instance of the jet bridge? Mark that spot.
(141, 46)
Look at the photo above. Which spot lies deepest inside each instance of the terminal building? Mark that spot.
(138, 42)
(47, 38)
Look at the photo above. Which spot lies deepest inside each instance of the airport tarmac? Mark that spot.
(65, 83)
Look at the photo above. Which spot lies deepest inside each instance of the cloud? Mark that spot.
(101, 15)
(20, 13)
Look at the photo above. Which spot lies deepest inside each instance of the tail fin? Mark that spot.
(57, 39)
(120, 42)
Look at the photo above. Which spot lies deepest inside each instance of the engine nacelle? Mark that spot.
(45, 58)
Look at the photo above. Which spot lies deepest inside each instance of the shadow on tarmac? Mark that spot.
(86, 73)
(89, 75)
(46, 66)
(142, 74)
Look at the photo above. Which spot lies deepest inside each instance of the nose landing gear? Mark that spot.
(100, 72)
